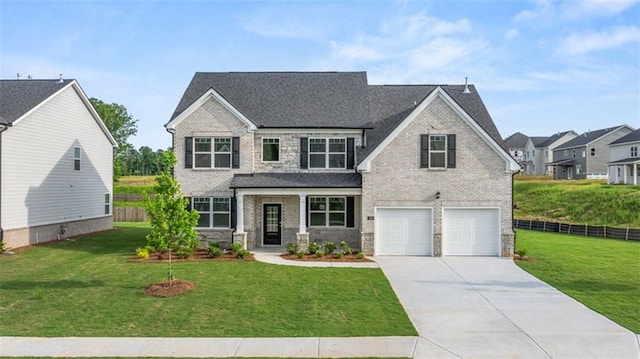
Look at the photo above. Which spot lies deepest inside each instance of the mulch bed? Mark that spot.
(169, 289)
(325, 258)
(197, 255)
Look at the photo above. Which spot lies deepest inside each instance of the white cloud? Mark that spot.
(609, 39)
(547, 11)
(511, 34)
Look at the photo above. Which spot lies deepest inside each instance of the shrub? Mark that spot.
(329, 247)
(214, 250)
(360, 255)
(2, 247)
(313, 247)
(150, 249)
(242, 254)
(521, 252)
(320, 254)
(235, 248)
(300, 254)
(338, 255)
(142, 253)
(292, 248)
(345, 248)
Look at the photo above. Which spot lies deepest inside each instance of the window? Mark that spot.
(578, 169)
(221, 152)
(270, 149)
(107, 203)
(546, 154)
(566, 153)
(593, 151)
(634, 151)
(327, 153)
(327, 211)
(76, 158)
(573, 153)
(584, 152)
(437, 151)
(214, 212)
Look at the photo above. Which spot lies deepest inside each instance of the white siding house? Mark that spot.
(56, 163)
(624, 167)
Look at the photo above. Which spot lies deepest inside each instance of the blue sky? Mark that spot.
(540, 66)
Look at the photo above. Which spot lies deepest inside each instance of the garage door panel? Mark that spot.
(471, 232)
(403, 231)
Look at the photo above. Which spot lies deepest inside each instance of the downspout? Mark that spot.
(513, 210)
(3, 128)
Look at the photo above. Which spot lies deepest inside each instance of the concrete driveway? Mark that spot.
(481, 307)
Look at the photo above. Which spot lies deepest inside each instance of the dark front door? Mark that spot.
(272, 219)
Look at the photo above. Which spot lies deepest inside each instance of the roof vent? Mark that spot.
(466, 86)
(61, 80)
(29, 77)
(18, 75)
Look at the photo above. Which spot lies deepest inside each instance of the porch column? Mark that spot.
(303, 209)
(239, 212)
(624, 174)
(635, 173)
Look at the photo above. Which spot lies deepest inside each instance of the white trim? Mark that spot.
(211, 213)
(327, 212)
(510, 164)
(327, 153)
(262, 149)
(299, 191)
(83, 97)
(210, 94)
(377, 223)
(314, 131)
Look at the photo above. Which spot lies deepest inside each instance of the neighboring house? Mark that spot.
(516, 144)
(275, 158)
(624, 165)
(56, 167)
(587, 155)
(539, 151)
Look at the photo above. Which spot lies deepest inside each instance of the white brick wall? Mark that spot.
(396, 179)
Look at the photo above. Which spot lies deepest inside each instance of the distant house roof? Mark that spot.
(297, 180)
(587, 138)
(626, 161)
(631, 137)
(17, 97)
(516, 140)
(538, 141)
(553, 138)
(564, 162)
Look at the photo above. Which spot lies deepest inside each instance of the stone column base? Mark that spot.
(240, 237)
(437, 245)
(366, 243)
(303, 241)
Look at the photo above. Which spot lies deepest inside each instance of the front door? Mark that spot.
(569, 172)
(272, 220)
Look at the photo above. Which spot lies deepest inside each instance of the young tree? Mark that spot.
(121, 125)
(171, 222)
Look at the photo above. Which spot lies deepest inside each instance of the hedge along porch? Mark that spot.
(277, 209)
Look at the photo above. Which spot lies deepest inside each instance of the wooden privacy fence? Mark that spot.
(632, 234)
(129, 214)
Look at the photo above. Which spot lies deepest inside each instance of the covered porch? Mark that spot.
(626, 171)
(562, 169)
(275, 209)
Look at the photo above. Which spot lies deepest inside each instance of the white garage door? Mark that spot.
(471, 232)
(403, 231)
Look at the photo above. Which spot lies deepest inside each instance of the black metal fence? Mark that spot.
(631, 234)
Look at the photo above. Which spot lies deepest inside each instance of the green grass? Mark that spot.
(603, 274)
(90, 288)
(134, 185)
(590, 202)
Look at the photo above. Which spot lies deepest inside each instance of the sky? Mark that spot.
(541, 66)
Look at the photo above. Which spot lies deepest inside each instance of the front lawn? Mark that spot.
(88, 287)
(603, 274)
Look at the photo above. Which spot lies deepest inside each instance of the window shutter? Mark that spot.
(188, 152)
(424, 151)
(189, 205)
(350, 212)
(235, 152)
(233, 212)
(304, 155)
(350, 153)
(306, 215)
(451, 151)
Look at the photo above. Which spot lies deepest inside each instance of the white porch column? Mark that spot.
(635, 174)
(624, 174)
(303, 210)
(239, 212)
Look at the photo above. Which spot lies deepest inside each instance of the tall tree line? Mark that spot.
(127, 160)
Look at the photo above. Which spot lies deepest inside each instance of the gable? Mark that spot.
(439, 94)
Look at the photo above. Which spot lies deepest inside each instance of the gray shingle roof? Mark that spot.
(586, 138)
(631, 137)
(288, 99)
(297, 180)
(17, 97)
(516, 140)
(538, 140)
(553, 138)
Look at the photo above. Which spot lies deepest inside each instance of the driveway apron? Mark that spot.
(484, 307)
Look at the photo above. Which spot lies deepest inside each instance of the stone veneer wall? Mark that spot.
(480, 178)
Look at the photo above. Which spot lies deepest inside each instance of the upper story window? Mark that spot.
(327, 153)
(566, 153)
(270, 150)
(584, 152)
(573, 153)
(546, 154)
(634, 151)
(593, 151)
(212, 152)
(76, 158)
(438, 151)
